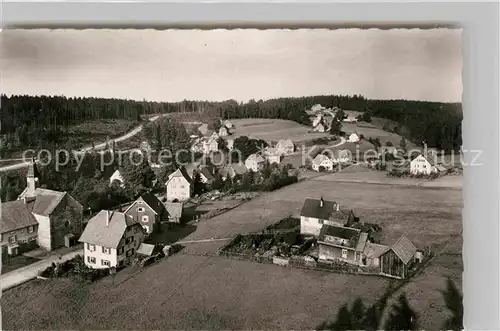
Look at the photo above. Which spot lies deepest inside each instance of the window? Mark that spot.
(145, 218)
(91, 247)
(106, 250)
(31, 229)
(140, 209)
(129, 240)
(91, 259)
(320, 221)
(120, 251)
(105, 263)
(130, 252)
(12, 239)
(344, 253)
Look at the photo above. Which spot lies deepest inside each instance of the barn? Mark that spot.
(396, 262)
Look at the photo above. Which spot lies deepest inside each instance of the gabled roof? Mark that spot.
(146, 249)
(152, 201)
(404, 249)
(363, 237)
(340, 216)
(15, 215)
(320, 158)
(181, 172)
(373, 251)
(206, 173)
(46, 201)
(174, 209)
(350, 234)
(312, 208)
(285, 143)
(255, 158)
(98, 233)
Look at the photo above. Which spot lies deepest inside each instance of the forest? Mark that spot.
(35, 121)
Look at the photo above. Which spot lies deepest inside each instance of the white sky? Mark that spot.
(238, 64)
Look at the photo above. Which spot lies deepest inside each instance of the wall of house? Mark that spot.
(252, 165)
(146, 218)
(99, 255)
(178, 188)
(25, 239)
(391, 264)
(420, 165)
(310, 225)
(44, 239)
(66, 219)
(331, 253)
(136, 232)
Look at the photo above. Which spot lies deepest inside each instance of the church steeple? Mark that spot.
(32, 179)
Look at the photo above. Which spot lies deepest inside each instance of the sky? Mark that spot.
(240, 64)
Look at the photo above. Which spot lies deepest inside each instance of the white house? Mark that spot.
(285, 146)
(322, 161)
(111, 239)
(353, 138)
(117, 176)
(421, 165)
(254, 162)
(179, 186)
(210, 145)
(317, 212)
(350, 119)
(223, 131)
(272, 155)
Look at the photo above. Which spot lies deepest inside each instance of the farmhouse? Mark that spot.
(341, 243)
(272, 155)
(233, 171)
(47, 218)
(148, 211)
(254, 162)
(317, 212)
(322, 162)
(353, 138)
(422, 165)
(398, 259)
(285, 146)
(178, 186)
(111, 239)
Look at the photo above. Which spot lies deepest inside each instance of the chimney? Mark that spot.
(338, 207)
(321, 202)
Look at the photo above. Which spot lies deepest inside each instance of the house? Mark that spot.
(317, 212)
(174, 211)
(321, 127)
(223, 131)
(111, 240)
(228, 124)
(117, 179)
(203, 129)
(421, 165)
(233, 171)
(205, 175)
(317, 107)
(398, 259)
(57, 214)
(322, 162)
(353, 138)
(350, 119)
(148, 211)
(285, 146)
(317, 120)
(343, 156)
(179, 186)
(210, 144)
(341, 243)
(18, 228)
(272, 155)
(230, 144)
(372, 253)
(254, 162)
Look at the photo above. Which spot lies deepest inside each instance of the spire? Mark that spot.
(33, 170)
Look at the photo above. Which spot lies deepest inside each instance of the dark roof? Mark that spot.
(312, 208)
(206, 172)
(340, 232)
(98, 233)
(152, 201)
(340, 216)
(404, 249)
(15, 215)
(46, 201)
(373, 251)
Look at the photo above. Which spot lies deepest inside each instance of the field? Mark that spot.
(192, 291)
(274, 130)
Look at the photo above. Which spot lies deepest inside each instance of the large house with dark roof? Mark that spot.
(179, 186)
(111, 239)
(148, 211)
(317, 212)
(53, 217)
(338, 243)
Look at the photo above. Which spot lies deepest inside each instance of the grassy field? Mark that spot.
(243, 294)
(274, 130)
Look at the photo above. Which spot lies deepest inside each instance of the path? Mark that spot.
(24, 274)
(126, 136)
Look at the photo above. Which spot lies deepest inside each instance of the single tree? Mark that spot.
(402, 143)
